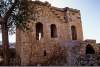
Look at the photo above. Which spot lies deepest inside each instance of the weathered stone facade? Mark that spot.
(51, 28)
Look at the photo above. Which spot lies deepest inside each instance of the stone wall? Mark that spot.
(74, 19)
(31, 50)
(89, 60)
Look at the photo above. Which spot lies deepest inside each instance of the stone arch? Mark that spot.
(74, 33)
(90, 49)
(53, 31)
(39, 30)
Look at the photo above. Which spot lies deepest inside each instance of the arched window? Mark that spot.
(74, 33)
(39, 30)
(53, 31)
(89, 49)
(45, 53)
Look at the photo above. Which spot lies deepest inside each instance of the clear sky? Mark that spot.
(90, 13)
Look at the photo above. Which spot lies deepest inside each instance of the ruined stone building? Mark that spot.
(50, 27)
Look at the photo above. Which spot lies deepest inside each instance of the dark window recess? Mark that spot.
(29, 21)
(39, 30)
(53, 31)
(45, 53)
(89, 49)
(58, 16)
(79, 17)
(73, 13)
(74, 33)
(65, 17)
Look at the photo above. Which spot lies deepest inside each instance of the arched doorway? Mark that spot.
(90, 49)
(39, 30)
(74, 33)
(53, 31)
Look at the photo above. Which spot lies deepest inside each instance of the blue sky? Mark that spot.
(90, 13)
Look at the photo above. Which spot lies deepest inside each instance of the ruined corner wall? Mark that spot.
(93, 44)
